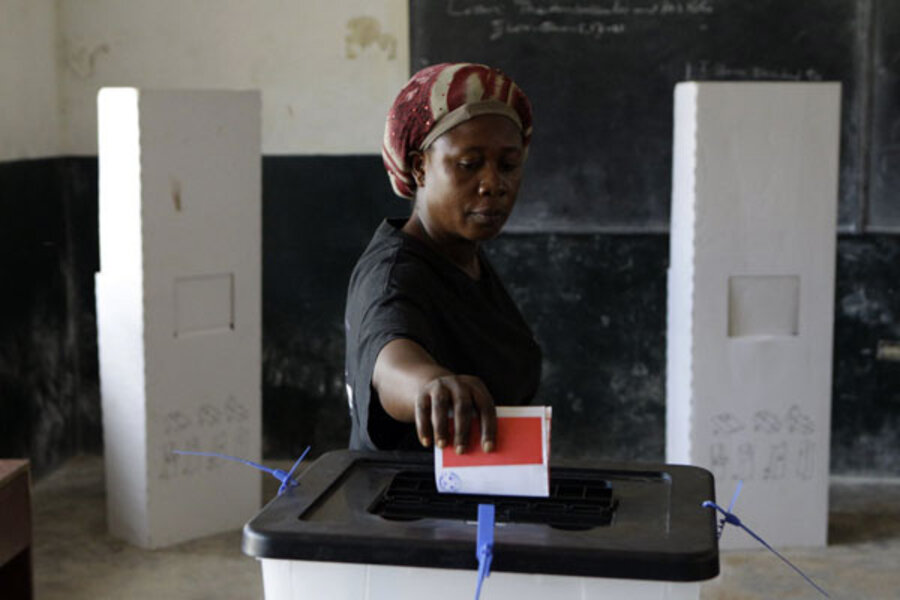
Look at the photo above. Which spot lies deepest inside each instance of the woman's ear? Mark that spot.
(417, 166)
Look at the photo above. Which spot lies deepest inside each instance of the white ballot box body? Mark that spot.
(178, 309)
(751, 299)
(373, 525)
(310, 580)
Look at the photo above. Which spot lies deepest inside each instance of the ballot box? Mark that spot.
(373, 526)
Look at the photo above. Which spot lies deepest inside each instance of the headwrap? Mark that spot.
(438, 98)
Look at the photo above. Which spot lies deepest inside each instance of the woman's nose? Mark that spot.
(491, 182)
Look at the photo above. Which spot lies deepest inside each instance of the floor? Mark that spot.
(76, 559)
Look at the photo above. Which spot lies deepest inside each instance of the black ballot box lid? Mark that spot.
(634, 521)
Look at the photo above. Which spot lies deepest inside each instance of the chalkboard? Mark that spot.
(601, 74)
(884, 171)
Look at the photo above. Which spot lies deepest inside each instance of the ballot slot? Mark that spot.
(577, 501)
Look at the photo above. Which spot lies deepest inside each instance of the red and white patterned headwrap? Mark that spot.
(438, 98)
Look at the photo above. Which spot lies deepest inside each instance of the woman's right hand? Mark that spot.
(413, 388)
(466, 398)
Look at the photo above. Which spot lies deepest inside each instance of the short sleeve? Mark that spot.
(383, 313)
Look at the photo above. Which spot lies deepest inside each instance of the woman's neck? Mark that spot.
(461, 252)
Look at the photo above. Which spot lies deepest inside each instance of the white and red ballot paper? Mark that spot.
(518, 466)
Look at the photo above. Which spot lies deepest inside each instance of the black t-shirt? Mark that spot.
(401, 288)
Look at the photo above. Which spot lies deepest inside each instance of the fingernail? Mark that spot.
(460, 449)
(425, 441)
(441, 443)
(488, 446)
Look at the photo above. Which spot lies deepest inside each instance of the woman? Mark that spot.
(430, 330)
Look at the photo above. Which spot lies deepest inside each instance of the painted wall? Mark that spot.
(29, 92)
(596, 302)
(328, 70)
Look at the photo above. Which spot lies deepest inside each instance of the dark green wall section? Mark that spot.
(318, 215)
(596, 302)
(866, 404)
(597, 306)
(49, 407)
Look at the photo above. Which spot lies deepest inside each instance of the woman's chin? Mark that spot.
(485, 226)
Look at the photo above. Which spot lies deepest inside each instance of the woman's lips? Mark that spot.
(488, 216)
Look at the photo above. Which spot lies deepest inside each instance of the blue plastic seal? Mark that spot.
(285, 477)
(732, 519)
(484, 545)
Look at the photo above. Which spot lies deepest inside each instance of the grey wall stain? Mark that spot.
(81, 59)
(176, 193)
(366, 31)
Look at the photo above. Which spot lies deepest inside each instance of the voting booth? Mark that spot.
(373, 526)
(751, 298)
(179, 309)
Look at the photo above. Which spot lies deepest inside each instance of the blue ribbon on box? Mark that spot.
(285, 477)
(728, 517)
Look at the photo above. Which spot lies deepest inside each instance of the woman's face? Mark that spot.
(469, 178)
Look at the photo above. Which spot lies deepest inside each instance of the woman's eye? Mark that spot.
(509, 166)
(469, 165)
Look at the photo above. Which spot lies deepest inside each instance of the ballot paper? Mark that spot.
(517, 467)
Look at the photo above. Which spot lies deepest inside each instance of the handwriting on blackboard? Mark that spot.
(454, 9)
(523, 17)
(596, 29)
(708, 69)
(614, 8)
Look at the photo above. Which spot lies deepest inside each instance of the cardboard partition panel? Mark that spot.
(751, 298)
(178, 309)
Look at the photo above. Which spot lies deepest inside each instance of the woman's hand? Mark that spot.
(463, 396)
(413, 388)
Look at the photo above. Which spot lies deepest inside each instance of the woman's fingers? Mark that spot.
(441, 400)
(488, 415)
(460, 395)
(462, 417)
(423, 419)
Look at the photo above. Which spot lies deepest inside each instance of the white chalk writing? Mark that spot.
(456, 8)
(543, 9)
(613, 8)
(535, 17)
(708, 69)
(595, 29)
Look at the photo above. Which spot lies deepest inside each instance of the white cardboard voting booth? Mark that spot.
(178, 309)
(751, 295)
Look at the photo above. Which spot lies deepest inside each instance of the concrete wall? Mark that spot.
(596, 302)
(328, 70)
(29, 89)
